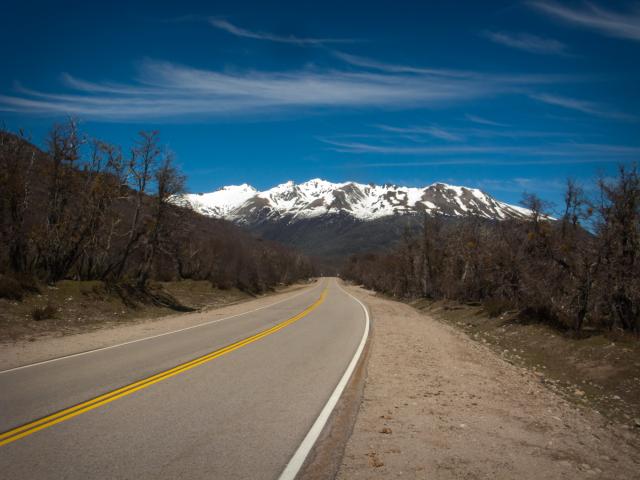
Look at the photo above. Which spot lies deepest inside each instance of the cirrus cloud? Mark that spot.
(584, 106)
(607, 22)
(229, 27)
(528, 43)
(164, 90)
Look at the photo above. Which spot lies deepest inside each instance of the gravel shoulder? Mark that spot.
(438, 405)
(53, 345)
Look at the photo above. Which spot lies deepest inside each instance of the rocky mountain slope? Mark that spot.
(319, 198)
(333, 220)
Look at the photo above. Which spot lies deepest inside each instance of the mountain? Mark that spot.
(332, 220)
(319, 198)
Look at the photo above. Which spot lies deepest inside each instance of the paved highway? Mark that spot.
(240, 398)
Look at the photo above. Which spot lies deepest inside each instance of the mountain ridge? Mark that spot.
(315, 198)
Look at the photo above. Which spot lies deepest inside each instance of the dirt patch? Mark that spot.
(599, 369)
(94, 328)
(438, 405)
(73, 306)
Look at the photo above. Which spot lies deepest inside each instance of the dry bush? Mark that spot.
(44, 313)
(494, 307)
(10, 289)
(16, 286)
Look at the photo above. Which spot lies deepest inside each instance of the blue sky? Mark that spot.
(505, 96)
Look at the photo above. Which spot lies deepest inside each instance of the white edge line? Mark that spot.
(295, 463)
(64, 357)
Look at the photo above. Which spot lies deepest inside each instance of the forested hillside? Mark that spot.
(84, 209)
(581, 270)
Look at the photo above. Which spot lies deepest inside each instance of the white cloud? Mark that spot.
(422, 134)
(510, 79)
(358, 147)
(432, 131)
(520, 184)
(398, 68)
(510, 162)
(292, 39)
(484, 121)
(607, 22)
(583, 106)
(528, 43)
(558, 153)
(165, 90)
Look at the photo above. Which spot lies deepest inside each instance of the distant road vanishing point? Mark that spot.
(235, 398)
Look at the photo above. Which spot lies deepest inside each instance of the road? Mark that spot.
(238, 398)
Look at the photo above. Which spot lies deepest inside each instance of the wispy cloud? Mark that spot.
(484, 121)
(583, 106)
(528, 43)
(519, 184)
(164, 90)
(571, 152)
(420, 135)
(512, 79)
(511, 162)
(529, 184)
(460, 134)
(591, 16)
(229, 27)
(432, 131)
(359, 147)
(513, 133)
(399, 68)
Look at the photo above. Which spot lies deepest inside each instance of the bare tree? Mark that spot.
(557, 271)
(16, 166)
(619, 231)
(144, 157)
(169, 183)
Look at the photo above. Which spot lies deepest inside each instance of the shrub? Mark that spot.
(10, 289)
(494, 307)
(16, 286)
(43, 313)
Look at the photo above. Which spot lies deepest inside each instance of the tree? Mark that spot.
(104, 178)
(169, 183)
(557, 271)
(16, 166)
(618, 229)
(59, 240)
(144, 157)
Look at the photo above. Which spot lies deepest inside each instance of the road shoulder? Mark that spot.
(325, 457)
(438, 405)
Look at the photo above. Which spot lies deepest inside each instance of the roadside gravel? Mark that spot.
(438, 405)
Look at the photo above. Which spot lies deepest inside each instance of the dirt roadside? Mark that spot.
(52, 345)
(438, 405)
(71, 307)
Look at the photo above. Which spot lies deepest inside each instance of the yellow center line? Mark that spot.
(63, 415)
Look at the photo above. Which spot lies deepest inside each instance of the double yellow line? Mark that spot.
(63, 415)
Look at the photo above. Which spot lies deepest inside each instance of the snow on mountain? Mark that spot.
(223, 202)
(317, 197)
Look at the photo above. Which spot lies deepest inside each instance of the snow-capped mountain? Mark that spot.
(223, 202)
(317, 198)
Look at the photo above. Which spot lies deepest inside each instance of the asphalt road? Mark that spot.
(182, 405)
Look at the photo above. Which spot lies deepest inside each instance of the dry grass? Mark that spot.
(74, 306)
